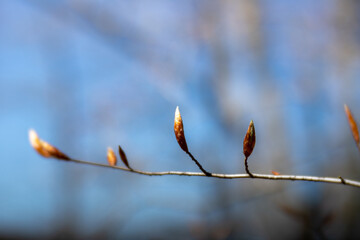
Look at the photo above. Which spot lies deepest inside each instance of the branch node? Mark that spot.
(342, 180)
(199, 165)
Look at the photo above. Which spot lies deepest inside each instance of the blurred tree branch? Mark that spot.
(338, 180)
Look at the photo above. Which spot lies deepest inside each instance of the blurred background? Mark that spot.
(88, 74)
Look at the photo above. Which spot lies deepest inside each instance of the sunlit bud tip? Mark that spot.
(34, 138)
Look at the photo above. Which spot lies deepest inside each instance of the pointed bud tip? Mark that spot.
(32, 131)
(36, 143)
(177, 112)
(33, 137)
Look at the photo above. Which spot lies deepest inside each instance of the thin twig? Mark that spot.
(336, 180)
(199, 165)
(247, 168)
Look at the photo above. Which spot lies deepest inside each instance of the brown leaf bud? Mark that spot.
(44, 148)
(123, 157)
(249, 140)
(53, 151)
(353, 126)
(179, 130)
(111, 157)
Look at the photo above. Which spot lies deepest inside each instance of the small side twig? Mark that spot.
(247, 168)
(199, 165)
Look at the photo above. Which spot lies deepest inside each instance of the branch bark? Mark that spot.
(336, 180)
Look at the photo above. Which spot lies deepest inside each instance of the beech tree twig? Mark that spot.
(247, 168)
(337, 180)
(199, 165)
(49, 151)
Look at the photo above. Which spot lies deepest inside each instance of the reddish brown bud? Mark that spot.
(275, 173)
(45, 149)
(111, 157)
(179, 130)
(249, 140)
(123, 157)
(353, 126)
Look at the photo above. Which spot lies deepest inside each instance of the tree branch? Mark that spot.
(337, 180)
(47, 150)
